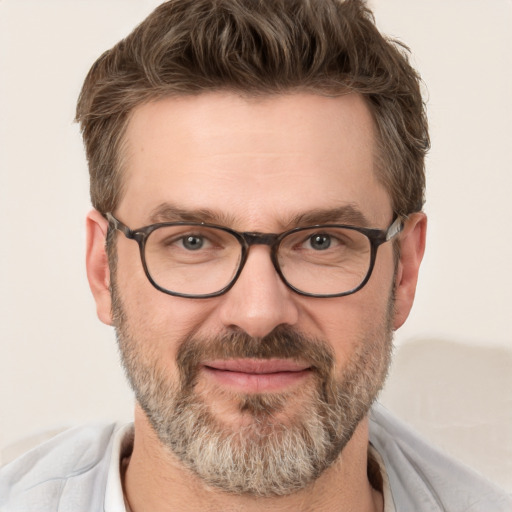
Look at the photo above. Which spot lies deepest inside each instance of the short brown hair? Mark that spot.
(254, 47)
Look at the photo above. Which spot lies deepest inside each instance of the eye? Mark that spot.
(319, 241)
(193, 242)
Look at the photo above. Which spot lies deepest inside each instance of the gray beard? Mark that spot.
(276, 452)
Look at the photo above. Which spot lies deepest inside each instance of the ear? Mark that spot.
(412, 247)
(98, 272)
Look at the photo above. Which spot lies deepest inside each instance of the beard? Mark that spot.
(283, 441)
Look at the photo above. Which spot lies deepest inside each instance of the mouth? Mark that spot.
(256, 375)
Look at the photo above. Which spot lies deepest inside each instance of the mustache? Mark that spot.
(282, 343)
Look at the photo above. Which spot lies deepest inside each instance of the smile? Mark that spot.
(256, 375)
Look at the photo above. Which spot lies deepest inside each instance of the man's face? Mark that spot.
(259, 377)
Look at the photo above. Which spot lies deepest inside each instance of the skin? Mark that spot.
(256, 164)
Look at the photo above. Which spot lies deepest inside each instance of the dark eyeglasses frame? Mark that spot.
(377, 237)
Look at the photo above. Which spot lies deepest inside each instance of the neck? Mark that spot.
(156, 480)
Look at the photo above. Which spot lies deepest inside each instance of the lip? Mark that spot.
(256, 375)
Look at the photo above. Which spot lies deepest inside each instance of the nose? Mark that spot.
(259, 301)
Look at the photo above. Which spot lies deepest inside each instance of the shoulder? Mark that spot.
(64, 471)
(422, 478)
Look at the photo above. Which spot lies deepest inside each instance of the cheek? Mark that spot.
(156, 321)
(347, 322)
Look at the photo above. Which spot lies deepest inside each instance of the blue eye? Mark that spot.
(192, 243)
(320, 242)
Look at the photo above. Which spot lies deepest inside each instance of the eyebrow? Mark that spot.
(168, 212)
(348, 214)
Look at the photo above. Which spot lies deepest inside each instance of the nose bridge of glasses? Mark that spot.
(251, 238)
(255, 238)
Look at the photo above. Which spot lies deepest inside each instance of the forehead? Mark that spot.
(256, 162)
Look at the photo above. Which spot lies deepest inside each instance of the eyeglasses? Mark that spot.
(197, 260)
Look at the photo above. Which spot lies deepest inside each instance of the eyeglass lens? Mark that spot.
(199, 260)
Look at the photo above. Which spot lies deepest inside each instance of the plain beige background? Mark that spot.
(452, 378)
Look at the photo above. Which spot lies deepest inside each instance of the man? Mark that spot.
(257, 174)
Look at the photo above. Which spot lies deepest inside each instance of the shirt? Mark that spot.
(78, 471)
